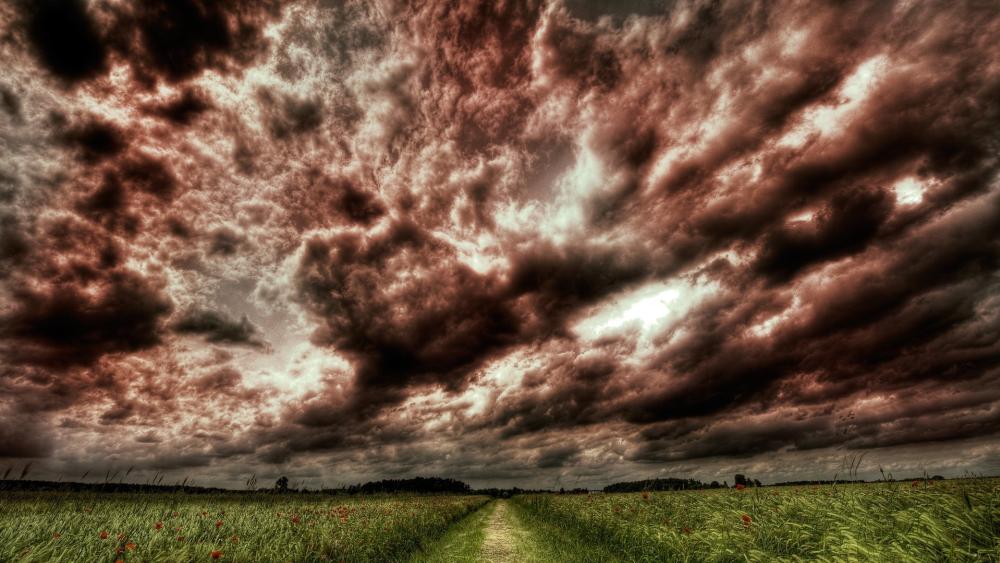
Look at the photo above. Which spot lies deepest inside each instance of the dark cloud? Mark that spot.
(224, 241)
(10, 102)
(148, 438)
(182, 110)
(23, 435)
(219, 328)
(67, 326)
(427, 332)
(557, 456)
(227, 383)
(65, 38)
(14, 244)
(95, 140)
(118, 413)
(177, 40)
(179, 228)
(313, 199)
(846, 226)
(438, 328)
(149, 175)
(289, 116)
(107, 204)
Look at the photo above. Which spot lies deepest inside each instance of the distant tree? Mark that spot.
(281, 485)
(937, 478)
(414, 485)
(740, 480)
(714, 485)
(756, 483)
(662, 484)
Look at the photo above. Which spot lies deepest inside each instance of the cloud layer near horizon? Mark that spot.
(507, 242)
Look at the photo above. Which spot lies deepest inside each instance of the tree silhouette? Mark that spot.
(281, 485)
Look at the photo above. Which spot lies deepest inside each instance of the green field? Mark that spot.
(178, 527)
(890, 522)
(929, 521)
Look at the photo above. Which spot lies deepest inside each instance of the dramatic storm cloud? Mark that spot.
(521, 242)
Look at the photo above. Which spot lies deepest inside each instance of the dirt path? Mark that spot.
(498, 545)
(493, 534)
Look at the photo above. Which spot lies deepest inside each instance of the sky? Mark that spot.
(520, 242)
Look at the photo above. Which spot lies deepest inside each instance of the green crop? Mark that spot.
(890, 522)
(179, 527)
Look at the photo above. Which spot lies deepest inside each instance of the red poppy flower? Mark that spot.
(218, 524)
(104, 535)
(296, 519)
(685, 530)
(915, 484)
(56, 535)
(158, 525)
(747, 520)
(645, 496)
(180, 538)
(130, 546)
(740, 486)
(216, 554)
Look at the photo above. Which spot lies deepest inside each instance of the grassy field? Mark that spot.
(890, 522)
(176, 527)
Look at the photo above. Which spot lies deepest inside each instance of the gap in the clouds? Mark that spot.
(825, 121)
(909, 190)
(646, 311)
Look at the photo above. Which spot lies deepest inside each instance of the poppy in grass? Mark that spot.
(104, 535)
(296, 519)
(158, 525)
(180, 538)
(915, 484)
(747, 520)
(216, 554)
(740, 486)
(645, 495)
(56, 535)
(119, 561)
(130, 546)
(234, 539)
(685, 530)
(218, 524)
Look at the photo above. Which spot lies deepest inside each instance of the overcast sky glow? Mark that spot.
(556, 243)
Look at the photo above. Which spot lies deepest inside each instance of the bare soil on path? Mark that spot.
(499, 544)
(493, 534)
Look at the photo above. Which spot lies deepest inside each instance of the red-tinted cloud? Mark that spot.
(500, 240)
